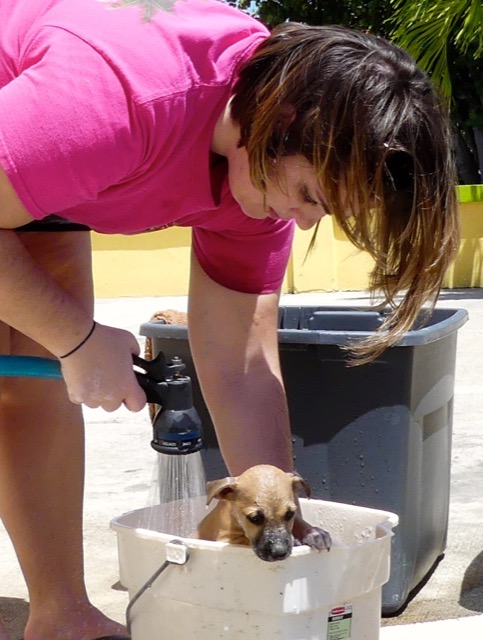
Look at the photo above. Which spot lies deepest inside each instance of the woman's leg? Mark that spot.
(42, 467)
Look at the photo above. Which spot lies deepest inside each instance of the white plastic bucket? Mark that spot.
(225, 592)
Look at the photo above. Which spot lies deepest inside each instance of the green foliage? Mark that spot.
(439, 34)
(446, 39)
(368, 15)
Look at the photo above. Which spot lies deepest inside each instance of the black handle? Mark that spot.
(155, 391)
(154, 382)
(157, 369)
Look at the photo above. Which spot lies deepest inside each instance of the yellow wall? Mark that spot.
(467, 269)
(157, 263)
(150, 264)
(334, 264)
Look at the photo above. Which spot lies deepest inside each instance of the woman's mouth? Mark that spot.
(273, 214)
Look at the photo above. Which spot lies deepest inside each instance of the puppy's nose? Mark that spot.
(272, 550)
(280, 551)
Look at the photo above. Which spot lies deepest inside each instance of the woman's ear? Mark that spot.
(287, 114)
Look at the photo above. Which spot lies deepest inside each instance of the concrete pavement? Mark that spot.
(121, 468)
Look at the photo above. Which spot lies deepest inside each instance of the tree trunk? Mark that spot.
(465, 161)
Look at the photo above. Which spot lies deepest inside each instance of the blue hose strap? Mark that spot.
(30, 366)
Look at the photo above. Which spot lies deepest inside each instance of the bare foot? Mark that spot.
(80, 625)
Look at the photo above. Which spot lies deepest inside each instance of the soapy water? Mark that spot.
(179, 484)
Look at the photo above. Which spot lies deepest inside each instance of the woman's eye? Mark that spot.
(306, 197)
(256, 518)
(310, 200)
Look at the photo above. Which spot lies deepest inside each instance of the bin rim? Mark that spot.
(455, 319)
(157, 329)
(414, 337)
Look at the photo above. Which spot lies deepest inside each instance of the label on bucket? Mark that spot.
(340, 623)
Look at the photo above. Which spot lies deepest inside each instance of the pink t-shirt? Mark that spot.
(106, 119)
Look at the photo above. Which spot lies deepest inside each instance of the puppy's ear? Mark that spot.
(220, 489)
(300, 485)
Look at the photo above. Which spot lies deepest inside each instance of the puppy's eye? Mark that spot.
(256, 518)
(289, 515)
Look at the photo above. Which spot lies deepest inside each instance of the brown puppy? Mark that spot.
(256, 508)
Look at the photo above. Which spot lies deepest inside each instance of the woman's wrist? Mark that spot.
(81, 343)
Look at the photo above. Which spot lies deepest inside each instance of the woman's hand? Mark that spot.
(100, 373)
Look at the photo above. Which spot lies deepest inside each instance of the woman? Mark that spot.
(196, 117)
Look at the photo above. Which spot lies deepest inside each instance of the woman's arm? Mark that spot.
(233, 338)
(25, 287)
(31, 301)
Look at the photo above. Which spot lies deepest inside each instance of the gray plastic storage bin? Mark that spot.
(376, 435)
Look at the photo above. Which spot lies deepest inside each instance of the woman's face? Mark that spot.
(293, 194)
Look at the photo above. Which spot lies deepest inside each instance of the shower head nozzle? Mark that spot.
(174, 439)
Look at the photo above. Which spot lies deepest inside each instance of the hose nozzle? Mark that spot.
(177, 428)
(177, 432)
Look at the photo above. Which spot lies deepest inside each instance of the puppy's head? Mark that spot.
(263, 502)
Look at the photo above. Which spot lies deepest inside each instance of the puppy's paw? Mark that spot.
(314, 537)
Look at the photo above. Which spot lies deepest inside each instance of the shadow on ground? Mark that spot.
(14, 613)
(471, 594)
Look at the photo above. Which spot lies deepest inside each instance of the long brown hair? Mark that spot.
(378, 135)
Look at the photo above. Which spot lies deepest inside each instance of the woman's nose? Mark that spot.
(305, 220)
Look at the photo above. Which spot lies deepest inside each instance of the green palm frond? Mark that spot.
(471, 31)
(426, 28)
